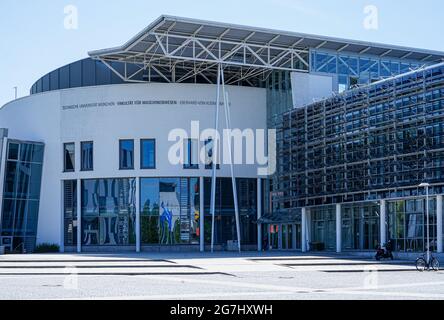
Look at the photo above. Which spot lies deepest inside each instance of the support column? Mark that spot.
(439, 224)
(304, 230)
(79, 215)
(382, 222)
(138, 231)
(338, 228)
(201, 214)
(259, 214)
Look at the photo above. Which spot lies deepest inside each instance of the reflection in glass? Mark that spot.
(108, 212)
(69, 156)
(170, 210)
(126, 154)
(148, 154)
(21, 194)
(87, 156)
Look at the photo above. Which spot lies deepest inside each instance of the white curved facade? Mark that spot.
(107, 114)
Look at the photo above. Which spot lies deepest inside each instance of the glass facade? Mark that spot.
(376, 142)
(108, 212)
(225, 222)
(169, 210)
(353, 69)
(21, 195)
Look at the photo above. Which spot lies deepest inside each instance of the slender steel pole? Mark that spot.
(233, 178)
(214, 160)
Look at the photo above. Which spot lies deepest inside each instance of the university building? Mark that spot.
(85, 159)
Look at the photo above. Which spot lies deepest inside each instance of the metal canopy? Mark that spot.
(179, 48)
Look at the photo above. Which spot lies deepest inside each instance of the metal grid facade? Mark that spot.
(375, 142)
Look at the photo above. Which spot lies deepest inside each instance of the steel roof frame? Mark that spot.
(199, 46)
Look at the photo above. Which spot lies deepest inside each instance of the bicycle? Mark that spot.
(422, 265)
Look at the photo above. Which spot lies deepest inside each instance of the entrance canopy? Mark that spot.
(178, 49)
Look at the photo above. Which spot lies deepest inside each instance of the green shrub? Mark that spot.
(46, 248)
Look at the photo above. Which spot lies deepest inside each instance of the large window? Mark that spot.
(108, 212)
(148, 154)
(169, 210)
(69, 157)
(87, 161)
(21, 195)
(225, 219)
(126, 154)
(407, 225)
(360, 226)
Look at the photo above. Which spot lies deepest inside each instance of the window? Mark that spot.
(69, 157)
(148, 154)
(191, 154)
(126, 154)
(209, 145)
(87, 156)
(13, 151)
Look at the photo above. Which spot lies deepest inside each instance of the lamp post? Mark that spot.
(426, 186)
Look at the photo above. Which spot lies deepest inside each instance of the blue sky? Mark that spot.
(34, 40)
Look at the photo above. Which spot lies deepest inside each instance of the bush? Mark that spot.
(46, 248)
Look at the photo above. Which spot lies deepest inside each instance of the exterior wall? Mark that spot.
(47, 118)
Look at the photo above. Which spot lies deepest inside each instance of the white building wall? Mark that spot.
(41, 118)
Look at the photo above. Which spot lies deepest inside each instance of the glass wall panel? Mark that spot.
(70, 212)
(170, 210)
(108, 212)
(360, 226)
(323, 227)
(225, 221)
(21, 195)
(407, 225)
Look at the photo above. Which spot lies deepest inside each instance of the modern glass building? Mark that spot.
(106, 180)
(355, 161)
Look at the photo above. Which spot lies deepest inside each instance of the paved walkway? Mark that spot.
(253, 275)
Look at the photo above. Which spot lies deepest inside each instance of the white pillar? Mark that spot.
(259, 214)
(79, 215)
(439, 223)
(201, 214)
(338, 228)
(304, 230)
(138, 231)
(382, 222)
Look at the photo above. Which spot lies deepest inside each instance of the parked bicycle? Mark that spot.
(423, 265)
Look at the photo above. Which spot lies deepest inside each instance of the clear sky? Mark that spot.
(34, 39)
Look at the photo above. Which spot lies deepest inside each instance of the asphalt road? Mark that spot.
(216, 276)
